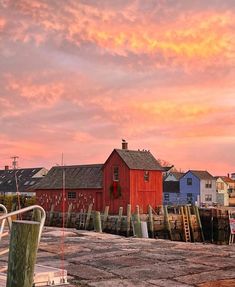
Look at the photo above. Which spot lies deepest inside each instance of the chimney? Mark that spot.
(6, 167)
(228, 175)
(124, 144)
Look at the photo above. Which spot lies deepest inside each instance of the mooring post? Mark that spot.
(88, 218)
(37, 215)
(137, 213)
(137, 223)
(68, 219)
(151, 227)
(97, 222)
(105, 218)
(22, 253)
(119, 220)
(128, 220)
(51, 214)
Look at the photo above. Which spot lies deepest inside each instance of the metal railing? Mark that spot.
(8, 217)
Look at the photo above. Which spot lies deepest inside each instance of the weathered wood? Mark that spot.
(128, 220)
(51, 216)
(196, 211)
(22, 254)
(150, 219)
(68, 219)
(167, 222)
(37, 215)
(105, 218)
(88, 217)
(119, 220)
(137, 213)
(97, 222)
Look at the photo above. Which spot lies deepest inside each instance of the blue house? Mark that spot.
(197, 187)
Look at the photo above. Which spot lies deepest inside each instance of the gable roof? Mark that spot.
(176, 174)
(24, 176)
(226, 179)
(76, 177)
(143, 160)
(202, 174)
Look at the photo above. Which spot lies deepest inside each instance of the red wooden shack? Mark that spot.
(133, 177)
(127, 177)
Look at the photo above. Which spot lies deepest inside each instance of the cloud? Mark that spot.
(77, 76)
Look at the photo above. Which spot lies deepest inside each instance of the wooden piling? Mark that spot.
(97, 222)
(137, 213)
(119, 220)
(128, 220)
(51, 216)
(150, 219)
(22, 254)
(88, 218)
(196, 211)
(37, 215)
(167, 222)
(68, 219)
(105, 218)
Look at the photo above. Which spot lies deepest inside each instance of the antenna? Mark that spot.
(15, 161)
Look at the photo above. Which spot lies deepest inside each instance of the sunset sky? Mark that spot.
(78, 76)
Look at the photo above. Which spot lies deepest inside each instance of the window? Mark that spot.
(115, 173)
(9, 181)
(146, 175)
(32, 182)
(166, 197)
(71, 195)
(189, 198)
(208, 184)
(189, 181)
(208, 197)
(220, 185)
(27, 182)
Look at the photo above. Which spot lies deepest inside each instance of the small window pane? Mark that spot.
(71, 195)
(146, 175)
(115, 173)
(189, 181)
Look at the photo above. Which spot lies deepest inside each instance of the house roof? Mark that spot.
(167, 168)
(177, 174)
(76, 177)
(171, 186)
(202, 174)
(24, 176)
(143, 160)
(226, 179)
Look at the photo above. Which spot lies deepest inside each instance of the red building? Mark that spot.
(127, 177)
(82, 183)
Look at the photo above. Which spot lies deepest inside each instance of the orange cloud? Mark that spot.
(41, 94)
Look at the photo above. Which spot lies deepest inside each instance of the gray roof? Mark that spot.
(143, 160)
(177, 174)
(76, 177)
(24, 176)
(202, 174)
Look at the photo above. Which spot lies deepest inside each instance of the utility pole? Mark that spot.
(15, 161)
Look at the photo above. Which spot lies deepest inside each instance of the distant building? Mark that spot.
(83, 185)
(171, 188)
(126, 177)
(197, 186)
(225, 186)
(22, 180)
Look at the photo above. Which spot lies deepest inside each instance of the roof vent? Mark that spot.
(124, 144)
